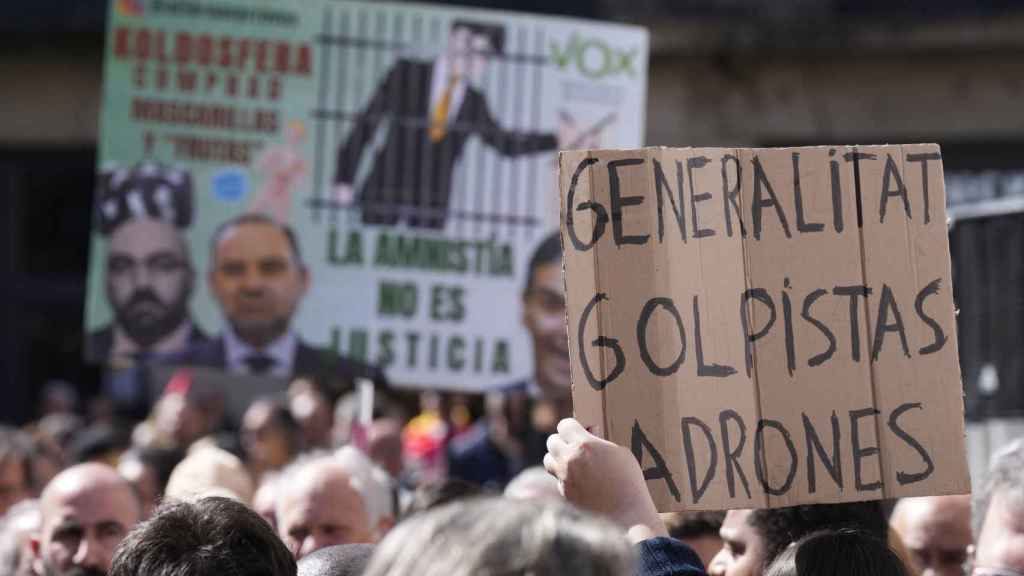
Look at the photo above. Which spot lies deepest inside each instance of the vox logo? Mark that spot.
(593, 57)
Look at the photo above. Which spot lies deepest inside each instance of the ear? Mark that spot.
(307, 277)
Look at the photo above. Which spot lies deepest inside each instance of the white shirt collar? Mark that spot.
(439, 77)
(281, 350)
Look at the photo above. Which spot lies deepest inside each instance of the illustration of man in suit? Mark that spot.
(149, 275)
(258, 279)
(432, 108)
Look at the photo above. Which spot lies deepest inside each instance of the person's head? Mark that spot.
(270, 437)
(206, 537)
(699, 530)
(257, 276)
(838, 553)
(502, 536)
(544, 317)
(264, 501)
(182, 415)
(149, 279)
(431, 495)
(533, 483)
(99, 442)
(58, 397)
(752, 539)
(936, 530)
(210, 471)
(341, 560)
(149, 276)
(999, 514)
(312, 410)
(148, 470)
(471, 45)
(320, 503)
(15, 468)
(384, 445)
(86, 511)
(54, 434)
(16, 529)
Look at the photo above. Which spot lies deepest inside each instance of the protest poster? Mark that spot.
(409, 149)
(766, 327)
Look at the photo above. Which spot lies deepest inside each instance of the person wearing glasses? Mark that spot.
(143, 212)
(999, 516)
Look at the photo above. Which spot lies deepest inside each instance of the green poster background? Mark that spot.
(233, 52)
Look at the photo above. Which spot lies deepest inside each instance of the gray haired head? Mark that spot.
(1005, 476)
(497, 536)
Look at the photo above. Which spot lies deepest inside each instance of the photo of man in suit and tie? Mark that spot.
(143, 212)
(258, 278)
(431, 109)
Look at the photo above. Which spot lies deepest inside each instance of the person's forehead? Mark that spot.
(933, 521)
(142, 237)
(94, 507)
(253, 240)
(342, 507)
(326, 492)
(735, 526)
(549, 276)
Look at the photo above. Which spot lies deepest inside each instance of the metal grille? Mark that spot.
(988, 282)
(488, 194)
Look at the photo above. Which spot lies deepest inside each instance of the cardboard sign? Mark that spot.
(766, 327)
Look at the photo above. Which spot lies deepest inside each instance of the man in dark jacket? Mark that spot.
(258, 278)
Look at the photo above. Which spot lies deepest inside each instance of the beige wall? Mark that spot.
(694, 99)
(49, 97)
(820, 98)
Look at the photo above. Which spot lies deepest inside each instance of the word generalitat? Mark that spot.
(671, 194)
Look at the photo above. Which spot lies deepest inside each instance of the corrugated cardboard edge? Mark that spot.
(754, 379)
(579, 388)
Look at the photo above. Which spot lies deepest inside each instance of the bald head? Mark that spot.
(937, 532)
(86, 511)
(320, 505)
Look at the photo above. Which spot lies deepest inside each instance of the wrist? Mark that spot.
(640, 532)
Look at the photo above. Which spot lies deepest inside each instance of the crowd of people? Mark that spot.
(322, 479)
(295, 494)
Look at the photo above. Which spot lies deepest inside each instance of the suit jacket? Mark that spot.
(99, 344)
(327, 367)
(412, 175)
(664, 556)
